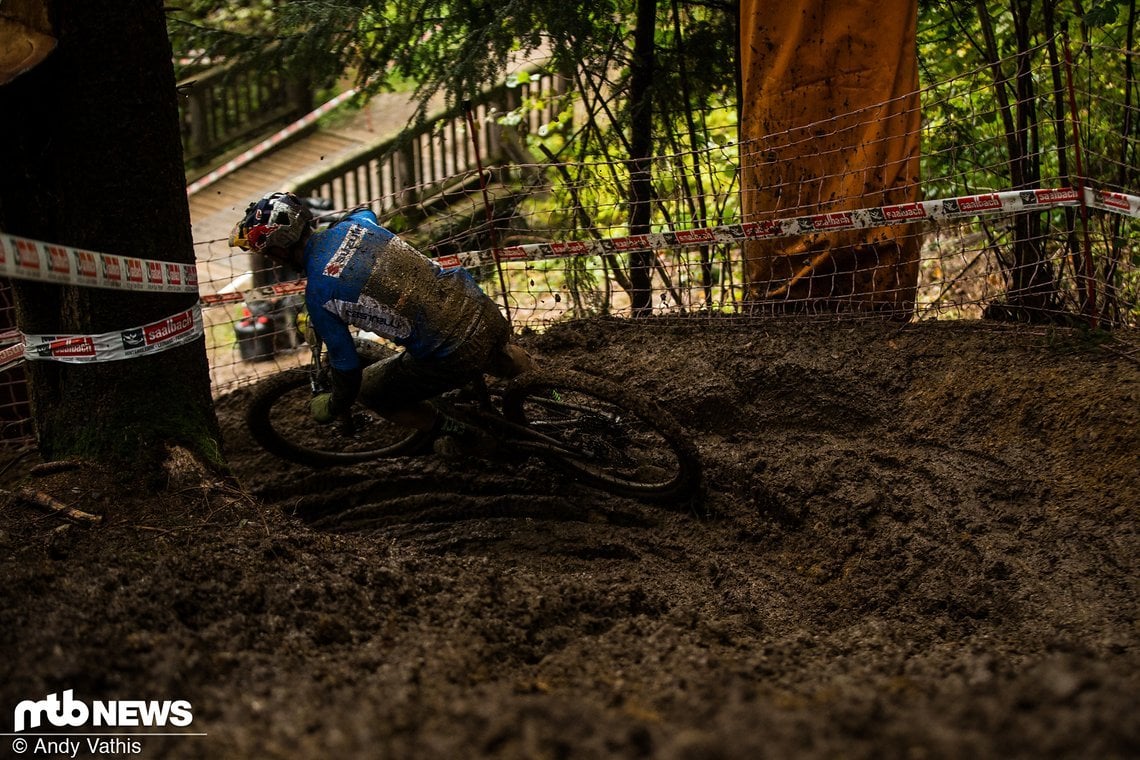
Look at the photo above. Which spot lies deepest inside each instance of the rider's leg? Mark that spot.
(491, 349)
(424, 416)
(511, 360)
(452, 437)
(398, 389)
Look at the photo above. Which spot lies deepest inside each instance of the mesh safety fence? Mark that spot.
(550, 238)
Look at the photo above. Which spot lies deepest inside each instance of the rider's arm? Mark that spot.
(345, 363)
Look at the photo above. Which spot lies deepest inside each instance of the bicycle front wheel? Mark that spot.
(279, 419)
(604, 435)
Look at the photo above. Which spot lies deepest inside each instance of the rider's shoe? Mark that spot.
(474, 443)
(457, 439)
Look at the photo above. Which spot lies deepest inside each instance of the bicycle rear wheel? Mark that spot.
(604, 435)
(279, 420)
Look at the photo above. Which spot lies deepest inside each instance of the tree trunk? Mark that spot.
(641, 150)
(92, 159)
(1032, 291)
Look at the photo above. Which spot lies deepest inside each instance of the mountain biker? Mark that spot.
(361, 274)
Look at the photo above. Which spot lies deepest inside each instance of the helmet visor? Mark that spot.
(238, 238)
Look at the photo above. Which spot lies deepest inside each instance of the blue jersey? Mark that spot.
(361, 274)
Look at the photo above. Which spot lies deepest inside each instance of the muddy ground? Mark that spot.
(916, 542)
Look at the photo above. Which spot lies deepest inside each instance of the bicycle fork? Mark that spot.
(316, 374)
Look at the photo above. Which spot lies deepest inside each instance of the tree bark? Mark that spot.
(1032, 290)
(92, 159)
(640, 153)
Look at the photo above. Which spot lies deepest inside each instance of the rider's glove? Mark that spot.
(319, 407)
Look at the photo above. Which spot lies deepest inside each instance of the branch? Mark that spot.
(42, 500)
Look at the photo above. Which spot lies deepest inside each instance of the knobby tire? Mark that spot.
(611, 438)
(278, 419)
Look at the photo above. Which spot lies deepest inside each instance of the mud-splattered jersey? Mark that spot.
(361, 274)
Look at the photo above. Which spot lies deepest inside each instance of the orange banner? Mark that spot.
(830, 121)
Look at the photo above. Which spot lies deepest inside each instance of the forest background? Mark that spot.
(654, 79)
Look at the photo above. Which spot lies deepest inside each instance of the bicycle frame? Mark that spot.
(489, 418)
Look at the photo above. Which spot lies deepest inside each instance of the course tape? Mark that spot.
(973, 205)
(11, 355)
(261, 293)
(277, 137)
(24, 259)
(165, 334)
(902, 213)
(1120, 203)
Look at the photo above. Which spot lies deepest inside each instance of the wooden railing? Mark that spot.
(405, 171)
(225, 107)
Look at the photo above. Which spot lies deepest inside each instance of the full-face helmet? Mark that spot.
(277, 220)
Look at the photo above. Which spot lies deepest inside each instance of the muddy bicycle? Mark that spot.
(589, 427)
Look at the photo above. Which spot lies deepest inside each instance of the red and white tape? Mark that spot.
(25, 259)
(261, 293)
(153, 338)
(1120, 203)
(22, 258)
(277, 137)
(947, 208)
(12, 355)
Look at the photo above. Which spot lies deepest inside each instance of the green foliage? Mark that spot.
(1006, 85)
(311, 39)
(967, 146)
(984, 128)
(1102, 13)
(460, 47)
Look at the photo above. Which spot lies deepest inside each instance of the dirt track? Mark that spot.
(916, 543)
